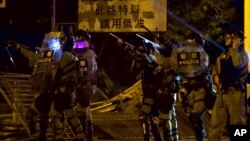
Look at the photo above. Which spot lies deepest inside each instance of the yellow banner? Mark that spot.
(2, 3)
(247, 28)
(122, 15)
(247, 35)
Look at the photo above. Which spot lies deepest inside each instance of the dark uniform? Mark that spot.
(64, 101)
(196, 91)
(88, 84)
(166, 95)
(149, 111)
(34, 110)
(229, 74)
(159, 88)
(42, 82)
(191, 62)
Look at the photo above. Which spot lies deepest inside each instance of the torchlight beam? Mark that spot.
(172, 15)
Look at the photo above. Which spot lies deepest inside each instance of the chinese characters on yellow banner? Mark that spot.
(122, 15)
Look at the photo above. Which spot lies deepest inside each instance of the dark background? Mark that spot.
(26, 21)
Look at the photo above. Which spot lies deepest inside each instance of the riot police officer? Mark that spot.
(166, 94)
(191, 62)
(63, 104)
(150, 84)
(44, 65)
(229, 73)
(149, 71)
(159, 86)
(87, 85)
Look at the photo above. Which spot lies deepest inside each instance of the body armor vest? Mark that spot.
(230, 76)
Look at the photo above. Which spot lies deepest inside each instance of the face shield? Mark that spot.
(48, 60)
(81, 44)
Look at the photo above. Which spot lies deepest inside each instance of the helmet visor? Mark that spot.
(81, 44)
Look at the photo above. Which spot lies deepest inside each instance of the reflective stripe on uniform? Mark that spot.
(74, 122)
(148, 101)
(164, 116)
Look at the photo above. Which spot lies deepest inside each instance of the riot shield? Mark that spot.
(189, 60)
(48, 58)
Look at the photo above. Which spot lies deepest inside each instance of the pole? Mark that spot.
(53, 15)
(172, 15)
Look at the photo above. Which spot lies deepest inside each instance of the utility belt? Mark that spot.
(193, 84)
(65, 81)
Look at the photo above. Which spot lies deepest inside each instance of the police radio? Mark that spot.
(83, 65)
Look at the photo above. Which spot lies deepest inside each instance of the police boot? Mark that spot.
(83, 121)
(75, 124)
(197, 121)
(44, 122)
(167, 130)
(30, 115)
(89, 130)
(155, 130)
(146, 128)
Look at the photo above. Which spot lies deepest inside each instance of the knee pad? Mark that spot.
(57, 121)
(69, 113)
(81, 111)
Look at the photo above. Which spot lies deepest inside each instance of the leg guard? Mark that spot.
(82, 116)
(89, 130)
(85, 118)
(74, 123)
(166, 130)
(44, 123)
(146, 127)
(197, 120)
(155, 130)
(30, 115)
(83, 121)
(57, 127)
(169, 125)
(175, 133)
